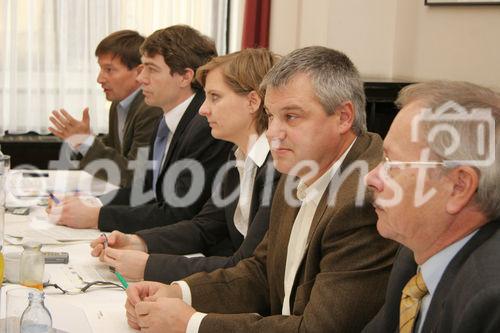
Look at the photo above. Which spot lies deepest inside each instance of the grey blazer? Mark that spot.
(140, 125)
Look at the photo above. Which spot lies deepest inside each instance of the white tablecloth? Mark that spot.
(101, 309)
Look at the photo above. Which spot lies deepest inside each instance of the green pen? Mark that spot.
(122, 280)
(118, 275)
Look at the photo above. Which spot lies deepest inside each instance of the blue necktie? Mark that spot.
(159, 150)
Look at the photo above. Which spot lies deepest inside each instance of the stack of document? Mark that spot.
(37, 227)
(21, 183)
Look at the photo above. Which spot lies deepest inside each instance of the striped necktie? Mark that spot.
(159, 150)
(411, 299)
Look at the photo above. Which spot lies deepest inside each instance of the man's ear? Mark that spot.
(186, 77)
(254, 101)
(465, 181)
(346, 115)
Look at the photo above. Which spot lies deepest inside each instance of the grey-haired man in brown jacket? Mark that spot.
(322, 266)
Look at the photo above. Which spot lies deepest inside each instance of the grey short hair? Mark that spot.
(334, 77)
(469, 96)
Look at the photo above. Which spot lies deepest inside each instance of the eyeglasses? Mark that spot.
(78, 284)
(387, 164)
(85, 287)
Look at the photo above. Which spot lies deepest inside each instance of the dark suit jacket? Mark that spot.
(210, 227)
(138, 128)
(345, 261)
(190, 142)
(467, 298)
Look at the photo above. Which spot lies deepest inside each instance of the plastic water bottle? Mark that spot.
(36, 318)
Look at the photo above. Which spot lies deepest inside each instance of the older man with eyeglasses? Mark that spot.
(436, 193)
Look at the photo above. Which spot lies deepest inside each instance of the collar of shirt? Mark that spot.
(434, 267)
(258, 152)
(125, 103)
(315, 191)
(173, 117)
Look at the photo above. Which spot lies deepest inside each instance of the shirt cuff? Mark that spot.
(185, 290)
(94, 201)
(84, 147)
(89, 200)
(194, 322)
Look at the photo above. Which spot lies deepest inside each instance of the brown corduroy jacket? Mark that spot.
(340, 283)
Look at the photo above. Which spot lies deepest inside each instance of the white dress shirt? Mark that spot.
(256, 157)
(310, 196)
(122, 110)
(432, 271)
(172, 119)
(297, 245)
(247, 169)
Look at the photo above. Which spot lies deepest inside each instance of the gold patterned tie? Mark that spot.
(412, 296)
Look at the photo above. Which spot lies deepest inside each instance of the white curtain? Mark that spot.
(47, 51)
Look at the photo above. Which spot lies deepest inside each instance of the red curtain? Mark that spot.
(256, 24)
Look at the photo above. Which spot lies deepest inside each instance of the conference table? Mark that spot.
(100, 308)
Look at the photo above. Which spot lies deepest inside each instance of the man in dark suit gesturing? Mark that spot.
(321, 254)
(131, 121)
(185, 156)
(437, 194)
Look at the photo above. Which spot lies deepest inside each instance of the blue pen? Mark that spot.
(53, 197)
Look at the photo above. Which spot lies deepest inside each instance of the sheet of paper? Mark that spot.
(67, 317)
(13, 240)
(41, 230)
(37, 238)
(108, 318)
(58, 181)
(13, 201)
(96, 272)
(65, 234)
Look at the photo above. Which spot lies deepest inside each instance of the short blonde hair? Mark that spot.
(243, 72)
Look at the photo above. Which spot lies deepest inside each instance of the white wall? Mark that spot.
(456, 43)
(398, 39)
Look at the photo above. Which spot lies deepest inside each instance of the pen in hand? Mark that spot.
(54, 198)
(106, 243)
(118, 275)
(122, 280)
